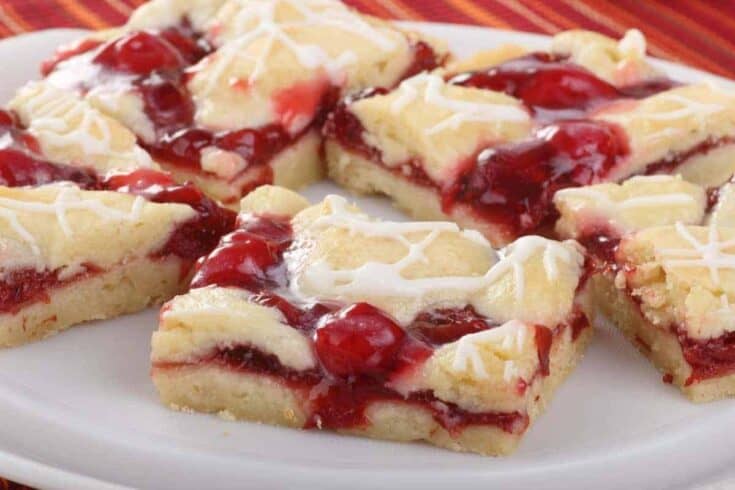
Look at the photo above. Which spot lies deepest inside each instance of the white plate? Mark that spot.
(82, 404)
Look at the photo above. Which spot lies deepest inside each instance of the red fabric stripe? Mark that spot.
(697, 33)
(678, 40)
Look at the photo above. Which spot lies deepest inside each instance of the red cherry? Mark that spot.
(7, 119)
(167, 104)
(242, 260)
(21, 168)
(139, 180)
(139, 52)
(185, 147)
(424, 59)
(360, 339)
(186, 43)
(276, 232)
(585, 149)
(66, 52)
(543, 80)
(559, 88)
(447, 325)
(255, 146)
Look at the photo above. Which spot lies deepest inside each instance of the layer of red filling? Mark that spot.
(361, 349)
(708, 359)
(158, 64)
(512, 185)
(21, 164)
(25, 286)
(554, 88)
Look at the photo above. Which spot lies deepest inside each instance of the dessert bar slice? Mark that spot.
(663, 270)
(322, 317)
(489, 148)
(89, 227)
(70, 256)
(232, 95)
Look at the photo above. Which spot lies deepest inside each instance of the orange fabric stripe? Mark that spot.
(716, 14)
(376, 8)
(86, 16)
(724, 45)
(481, 15)
(401, 9)
(543, 10)
(677, 49)
(14, 22)
(612, 24)
(529, 15)
(120, 6)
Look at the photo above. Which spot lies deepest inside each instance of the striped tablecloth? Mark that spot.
(699, 33)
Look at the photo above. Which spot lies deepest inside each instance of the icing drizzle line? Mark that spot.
(384, 279)
(68, 199)
(710, 255)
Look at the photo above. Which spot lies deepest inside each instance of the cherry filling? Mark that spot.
(192, 239)
(671, 163)
(553, 87)
(360, 348)
(513, 185)
(21, 164)
(709, 358)
(157, 64)
(358, 340)
(443, 326)
(424, 59)
(24, 286)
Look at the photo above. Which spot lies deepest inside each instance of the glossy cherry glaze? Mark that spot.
(669, 165)
(159, 63)
(707, 358)
(22, 165)
(21, 287)
(512, 185)
(360, 348)
(191, 239)
(554, 88)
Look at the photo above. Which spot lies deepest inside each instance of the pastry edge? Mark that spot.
(260, 398)
(125, 289)
(660, 346)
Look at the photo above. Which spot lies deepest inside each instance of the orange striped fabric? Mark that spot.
(699, 33)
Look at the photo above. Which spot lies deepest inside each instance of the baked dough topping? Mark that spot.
(404, 268)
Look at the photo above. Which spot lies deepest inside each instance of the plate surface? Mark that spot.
(82, 403)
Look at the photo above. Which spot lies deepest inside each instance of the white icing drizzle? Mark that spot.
(710, 255)
(69, 198)
(632, 44)
(314, 13)
(387, 279)
(431, 85)
(602, 199)
(688, 108)
(51, 113)
(511, 336)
